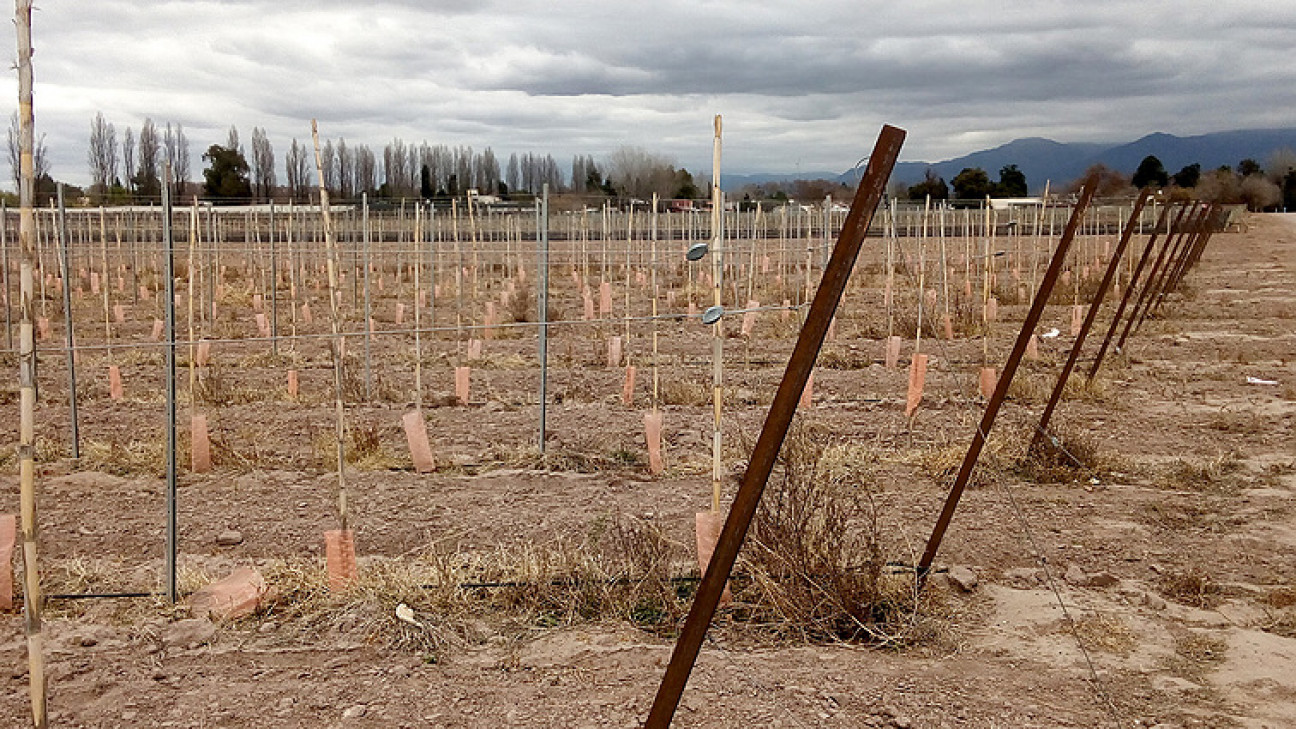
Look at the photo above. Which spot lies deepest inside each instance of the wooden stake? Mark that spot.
(346, 565)
(717, 329)
(27, 372)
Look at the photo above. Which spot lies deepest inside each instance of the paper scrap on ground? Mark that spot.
(406, 613)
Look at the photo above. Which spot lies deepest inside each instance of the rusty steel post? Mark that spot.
(1001, 388)
(1195, 246)
(1112, 266)
(1176, 256)
(835, 276)
(1130, 287)
(1173, 235)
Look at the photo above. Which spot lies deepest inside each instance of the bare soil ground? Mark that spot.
(1175, 560)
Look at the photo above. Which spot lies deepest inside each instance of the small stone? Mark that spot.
(1156, 602)
(963, 578)
(1103, 579)
(229, 538)
(1076, 576)
(355, 712)
(1023, 578)
(268, 626)
(189, 633)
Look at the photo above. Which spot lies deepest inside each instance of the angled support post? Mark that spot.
(1130, 288)
(1157, 284)
(1173, 235)
(1041, 430)
(1001, 388)
(777, 422)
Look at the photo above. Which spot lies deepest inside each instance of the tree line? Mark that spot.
(129, 167)
(1260, 188)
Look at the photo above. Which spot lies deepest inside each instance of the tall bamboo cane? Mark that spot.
(27, 371)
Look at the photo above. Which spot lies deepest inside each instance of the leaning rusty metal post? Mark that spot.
(1041, 430)
(1130, 288)
(1001, 388)
(1194, 248)
(1172, 239)
(781, 411)
(1182, 245)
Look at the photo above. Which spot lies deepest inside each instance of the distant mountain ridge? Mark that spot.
(1061, 162)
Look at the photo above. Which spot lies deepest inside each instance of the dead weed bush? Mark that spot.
(1193, 587)
(1221, 474)
(814, 564)
(1068, 454)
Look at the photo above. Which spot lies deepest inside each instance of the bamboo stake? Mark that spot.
(945, 294)
(27, 372)
(4, 270)
(717, 329)
(368, 301)
(922, 274)
(988, 271)
(336, 326)
(652, 285)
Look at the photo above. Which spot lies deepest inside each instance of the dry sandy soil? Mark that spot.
(1177, 567)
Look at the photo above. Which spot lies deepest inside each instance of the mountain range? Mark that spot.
(1044, 160)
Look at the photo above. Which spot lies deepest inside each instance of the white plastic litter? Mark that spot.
(1258, 381)
(406, 613)
(1051, 333)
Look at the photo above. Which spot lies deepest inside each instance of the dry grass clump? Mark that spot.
(1221, 474)
(1193, 587)
(1105, 632)
(814, 565)
(680, 391)
(353, 383)
(364, 450)
(1235, 422)
(1196, 653)
(213, 387)
(1036, 388)
(120, 457)
(1068, 454)
(1003, 450)
(580, 457)
(620, 571)
(521, 303)
(839, 358)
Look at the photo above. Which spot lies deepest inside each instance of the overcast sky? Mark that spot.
(803, 86)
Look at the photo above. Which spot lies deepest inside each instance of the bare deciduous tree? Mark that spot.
(638, 173)
(263, 162)
(366, 172)
(128, 159)
(40, 155)
(232, 140)
(295, 170)
(345, 170)
(177, 153)
(147, 182)
(102, 155)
